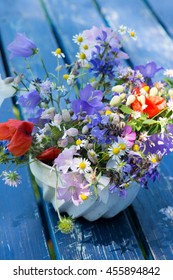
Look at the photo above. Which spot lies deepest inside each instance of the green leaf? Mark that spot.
(125, 109)
(169, 82)
(149, 121)
(168, 114)
(155, 129)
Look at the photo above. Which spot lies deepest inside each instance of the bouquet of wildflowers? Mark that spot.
(99, 123)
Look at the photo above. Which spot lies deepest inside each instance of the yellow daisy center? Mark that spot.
(122, 146)
(85, 47)
(154, 159)
(58, 51)
(82, 56)
(136, 147)
(82, 165)
(115, 151)
(80, 39)
(78, 142)
(132, 33)
(108, 112)
(65, 76)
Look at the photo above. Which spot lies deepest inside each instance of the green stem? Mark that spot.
(44, 67)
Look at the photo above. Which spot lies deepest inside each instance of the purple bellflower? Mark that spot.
(22, 46)
(148, 70)
(89, 103)
(30, 99)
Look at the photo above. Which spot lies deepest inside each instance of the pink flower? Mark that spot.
(129, 135)
(72, 186)
(64, 161)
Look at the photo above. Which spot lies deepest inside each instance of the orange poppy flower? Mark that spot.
(155, 104)
(19, 134)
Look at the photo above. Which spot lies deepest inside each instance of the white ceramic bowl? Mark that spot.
(91, 209)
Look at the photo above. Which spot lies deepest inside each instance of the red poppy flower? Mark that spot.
(19, 134)
(49, 155)
(155, 104)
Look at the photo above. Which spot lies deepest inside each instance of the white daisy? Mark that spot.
(115, 152)
(92, 156)
(81, 58)
(81, 165)
(132, 34)
(168, 73)
(80, 143)
(78, 38)
(58, 53)
(122, 29)
(154, 159)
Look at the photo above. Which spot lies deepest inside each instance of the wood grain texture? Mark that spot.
(163, 11)
(105, 239)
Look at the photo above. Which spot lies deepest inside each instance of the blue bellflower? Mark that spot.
(30, 99)
(89, 103)
(22, 46)
(148, 70)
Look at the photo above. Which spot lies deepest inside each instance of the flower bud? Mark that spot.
(66, 115)
(118, 89)
(115, 101)
(141, 99)
(85, 129)
(130, 99)
(62, 142)
(8, 80)
(153, 91)
(122, 96)
(72, 132)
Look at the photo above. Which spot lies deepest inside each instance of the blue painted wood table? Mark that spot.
(27, 223)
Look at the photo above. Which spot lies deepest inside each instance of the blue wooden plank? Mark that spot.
(153, 42)
(105, 239)
(21, 232)
(163, 11)
(154, 208)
